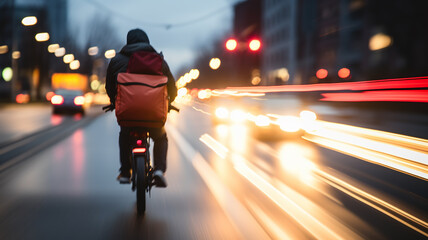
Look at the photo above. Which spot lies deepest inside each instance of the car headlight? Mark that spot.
(308, 115)
(222, 113)
(289, 123)
(237, 116)
(262, 121)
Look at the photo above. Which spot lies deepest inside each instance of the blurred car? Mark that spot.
(66, 100)
(269, 118)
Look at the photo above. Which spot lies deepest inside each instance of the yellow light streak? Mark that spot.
(373, 202)
(408, 141)
(305, 219)
(386, 149)
(288, 204)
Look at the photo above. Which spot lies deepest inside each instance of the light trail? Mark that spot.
(376, 203)
(290, 205)
(402, 153)
(290, 201)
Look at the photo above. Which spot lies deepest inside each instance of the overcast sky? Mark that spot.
(193, 22)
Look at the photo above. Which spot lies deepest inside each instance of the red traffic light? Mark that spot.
(255, 45)
(231, 44)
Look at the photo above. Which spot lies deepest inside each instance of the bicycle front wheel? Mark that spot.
(141, 184)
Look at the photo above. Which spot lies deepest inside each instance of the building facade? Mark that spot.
(372, 39)
(28, 58)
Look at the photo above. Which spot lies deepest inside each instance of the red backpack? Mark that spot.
(142, 96)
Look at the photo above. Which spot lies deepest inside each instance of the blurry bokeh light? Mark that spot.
(262, 121)
(194, 73)
(344, 73)
(74, 65)
(7, 74)
(49, 95)
(307, 115)
(238, 116)
(29, 21)
(255, 45)
(222, 113)
(4, 49)
(60, 52)
(379, 41)
(95, 84)
(231, 44)
(182, 92)
(42, 37)
(68, 58)
(53, 47)
(22, 98)
(289, 123)
(215, 63)
(256, 80)
(16, 55)
(283, 74)
(110, 53)
(322, 73)
(92, 51)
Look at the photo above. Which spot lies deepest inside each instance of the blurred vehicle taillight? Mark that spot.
(57, 100)
(79, 100)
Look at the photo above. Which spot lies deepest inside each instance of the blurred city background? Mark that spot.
(300, 119)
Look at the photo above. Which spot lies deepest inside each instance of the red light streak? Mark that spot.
(420, 82)
(387, 96)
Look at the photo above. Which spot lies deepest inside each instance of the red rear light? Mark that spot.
(79, 100)
(57, 100)
(139, 150)
(139, 142)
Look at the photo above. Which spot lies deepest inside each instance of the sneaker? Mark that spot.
(124, 177)
(159, 179)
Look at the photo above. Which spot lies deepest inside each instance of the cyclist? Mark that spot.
(137, 40)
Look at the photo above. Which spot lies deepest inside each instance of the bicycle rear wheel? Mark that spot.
(141, 184)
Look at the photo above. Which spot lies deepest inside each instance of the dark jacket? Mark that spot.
(137, 40)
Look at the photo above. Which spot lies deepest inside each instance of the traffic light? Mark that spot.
(231, 44)
(254, 45)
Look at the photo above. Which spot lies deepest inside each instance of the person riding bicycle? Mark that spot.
(137, 40)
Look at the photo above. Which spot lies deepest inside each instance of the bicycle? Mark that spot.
(141, 170)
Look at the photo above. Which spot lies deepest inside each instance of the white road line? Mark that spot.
(235, 210)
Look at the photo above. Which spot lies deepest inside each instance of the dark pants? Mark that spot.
(159, 149)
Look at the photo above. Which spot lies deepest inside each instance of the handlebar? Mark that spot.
(108, 108)
(172, 107)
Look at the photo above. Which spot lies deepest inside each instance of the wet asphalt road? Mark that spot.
(223, 184)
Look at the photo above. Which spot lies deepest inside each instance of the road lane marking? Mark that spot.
(235, 211)
(275, 230)
(214, 145)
